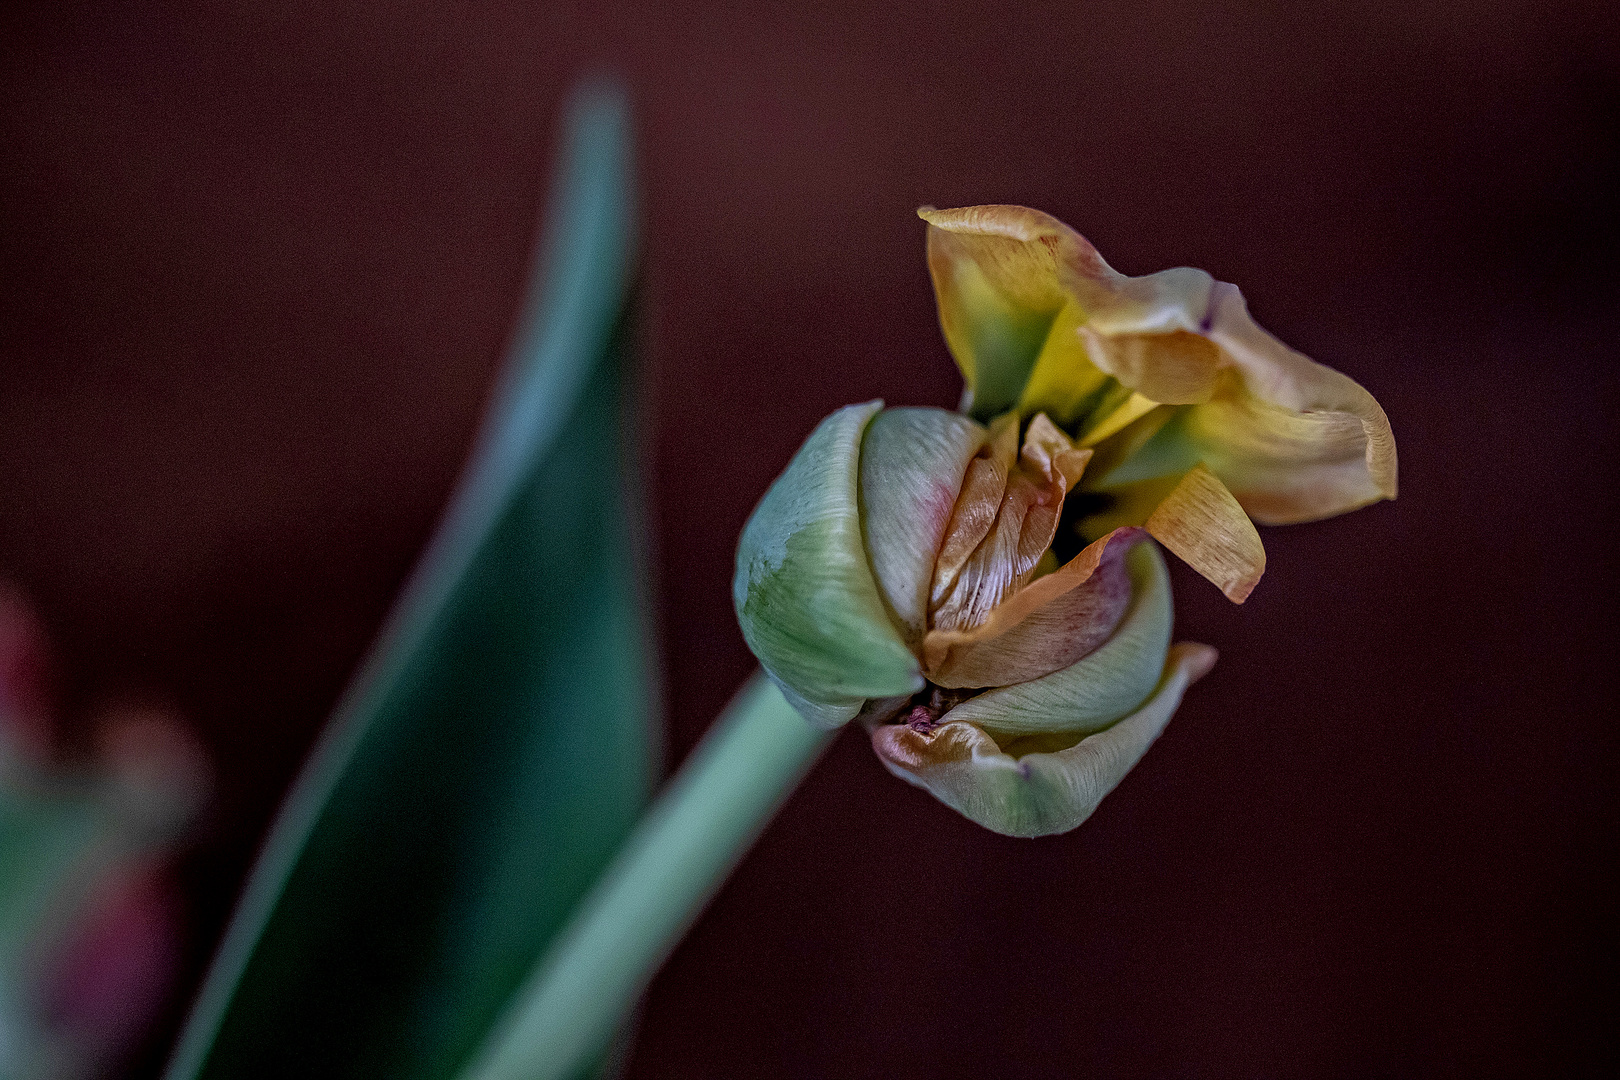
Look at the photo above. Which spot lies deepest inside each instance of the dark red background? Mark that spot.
(260, 261)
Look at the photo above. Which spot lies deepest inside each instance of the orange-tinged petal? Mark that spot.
(1050, 454)
(1174, 368)
(966, 590)
(1292, 440)
(1045, 791)
(1203, 524)
(1044, 627)
(1302, 441)
(977, 505)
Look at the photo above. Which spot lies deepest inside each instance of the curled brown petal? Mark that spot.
(1043, 628)
(1025, 522)
(983, 487)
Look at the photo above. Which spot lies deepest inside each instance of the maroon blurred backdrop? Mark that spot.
(259, 264)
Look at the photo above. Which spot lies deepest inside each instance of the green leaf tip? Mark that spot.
(499, 742)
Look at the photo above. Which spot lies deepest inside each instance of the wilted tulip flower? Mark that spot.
(979, 587)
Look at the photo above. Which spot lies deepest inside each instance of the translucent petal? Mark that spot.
(1291, 439)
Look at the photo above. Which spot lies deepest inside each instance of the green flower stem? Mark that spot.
(564, 1015)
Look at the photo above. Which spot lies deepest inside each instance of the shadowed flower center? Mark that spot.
(932, 702)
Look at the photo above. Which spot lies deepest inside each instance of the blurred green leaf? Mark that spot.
(48, 845)
(499, 744)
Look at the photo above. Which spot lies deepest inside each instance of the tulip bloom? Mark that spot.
(905, 569)
(1200, 419)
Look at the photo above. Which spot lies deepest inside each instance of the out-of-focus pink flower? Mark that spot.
(90, 925)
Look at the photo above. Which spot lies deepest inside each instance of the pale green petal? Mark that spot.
(912, 463)
(826, 715)
(1101, 687)
(1036, 794)
(805, 598)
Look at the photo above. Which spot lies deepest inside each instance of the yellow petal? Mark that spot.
(1203, 524)
(1131, 410)
(1000, 276)
(1292, 440)
(1044, 627)
(1301, 441)
(1018, 291)
(1063, 382)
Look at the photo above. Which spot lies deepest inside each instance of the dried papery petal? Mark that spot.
(1102, 686)
(1024, 525)
(1301, 441)
(1175, 368)
(978, 503)
(1046, 626)
(1050, 454)
(1203, 524)
(1291, 439)
(1036, 793)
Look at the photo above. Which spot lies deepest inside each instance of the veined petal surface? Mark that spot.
(804, 592)
(1001, 559)
(1040, 793)
(1044, 627)
(912, 465)
(1202, 523)
(1292, 440)
(1104, 685)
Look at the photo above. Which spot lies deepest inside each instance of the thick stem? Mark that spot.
(565, 1013)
